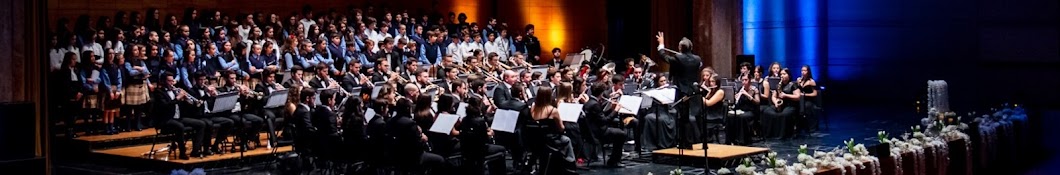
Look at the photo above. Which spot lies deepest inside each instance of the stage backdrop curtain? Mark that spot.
(714, 26)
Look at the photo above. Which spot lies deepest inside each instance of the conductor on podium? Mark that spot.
(684, 66)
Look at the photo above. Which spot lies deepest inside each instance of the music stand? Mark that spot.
(540, 68)
(573, 59)
(224, 102)
(491, 88)
(774, 83)
(276, 99)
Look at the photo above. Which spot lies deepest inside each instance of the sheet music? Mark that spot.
(505, 120)
(434, 107)
(277, 99)
(225, 102)
(369, 115)
(664, 95)
(375, 91)
(462, 110)
(569, 112)
(629, 104)
(444, 123)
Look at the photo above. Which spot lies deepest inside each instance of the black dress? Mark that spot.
(779, 121)
(738, 126)
(544, 136)
(807, 108)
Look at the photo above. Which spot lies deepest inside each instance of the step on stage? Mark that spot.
(130, 148)
(726, 154)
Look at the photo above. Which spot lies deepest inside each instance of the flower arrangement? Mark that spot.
(746, 168)
(882, 136)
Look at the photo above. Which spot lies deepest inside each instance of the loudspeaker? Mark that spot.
(16, 131)
(740, 59)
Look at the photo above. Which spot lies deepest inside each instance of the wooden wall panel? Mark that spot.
(714, 26)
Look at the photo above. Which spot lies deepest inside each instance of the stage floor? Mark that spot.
(859, 123)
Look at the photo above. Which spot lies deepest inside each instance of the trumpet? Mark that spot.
(188, 98)
(335, 85)
(400, 80)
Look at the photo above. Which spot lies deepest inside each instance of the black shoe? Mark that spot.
(196, 154)
(184, 157)
(207, 152)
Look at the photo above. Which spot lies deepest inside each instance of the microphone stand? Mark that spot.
(681, 152)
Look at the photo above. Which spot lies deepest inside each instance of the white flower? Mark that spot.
(723, 171)
(808, 171)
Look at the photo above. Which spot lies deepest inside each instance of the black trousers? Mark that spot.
(176, 126)
(217, 125)
(685, 129)
(616, 137)
(271, 118)
(250, 124)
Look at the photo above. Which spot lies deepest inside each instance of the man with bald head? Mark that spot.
(502, 94)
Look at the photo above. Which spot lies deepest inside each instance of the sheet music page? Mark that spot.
(505, 120)
(369, 115)
(444, 123)
(434, 106)
(629, 104)
(569, 112)
(664, 95)
(375, 91)
(462, 110)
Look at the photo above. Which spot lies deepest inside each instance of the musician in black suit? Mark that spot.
(411, 67)
(605, 123)
(383, 72)
(354, 78)
(245, 117)
(302, 121)
(267, 86)
(324, 119)
(503, 95)
(684, 66)
(296, 78)
(200, 90)
(167, 111)
(406, 140)
(321, 80)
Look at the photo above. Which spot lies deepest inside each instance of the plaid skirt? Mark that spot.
(109, 104)
(91, 102)
(136, 94)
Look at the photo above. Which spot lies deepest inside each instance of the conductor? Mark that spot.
(684, 66)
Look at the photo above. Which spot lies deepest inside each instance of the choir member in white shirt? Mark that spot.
(116, 41)
(492, 46)
(95, 43)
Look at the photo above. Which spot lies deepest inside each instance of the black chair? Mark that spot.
(534, 136)
(172, 144)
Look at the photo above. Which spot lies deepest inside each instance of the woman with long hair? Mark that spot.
(777, 119)
(136, 87)
(544, 115)
(112, 68)
(807, 90)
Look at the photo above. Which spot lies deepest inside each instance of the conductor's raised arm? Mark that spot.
(662, 49)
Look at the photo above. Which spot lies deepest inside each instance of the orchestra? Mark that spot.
(409, 83)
